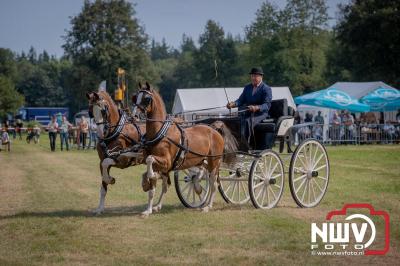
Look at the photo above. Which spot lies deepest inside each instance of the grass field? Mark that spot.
(46, 198)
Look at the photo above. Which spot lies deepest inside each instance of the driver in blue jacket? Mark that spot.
(254, 101)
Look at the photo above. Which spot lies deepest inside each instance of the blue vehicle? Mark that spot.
(41, 114)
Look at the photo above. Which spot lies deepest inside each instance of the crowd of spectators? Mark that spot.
(82, 135)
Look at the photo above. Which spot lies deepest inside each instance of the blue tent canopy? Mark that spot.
(333, 98)
(355, 97)
(383, 99)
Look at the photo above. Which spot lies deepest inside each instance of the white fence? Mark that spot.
(349, 134)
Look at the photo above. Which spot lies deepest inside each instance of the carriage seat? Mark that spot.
(278, 109)
(265, 132)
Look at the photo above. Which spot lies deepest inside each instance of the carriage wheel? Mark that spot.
(266, 180)
(192, 192)
(309, 173)
(234, 179)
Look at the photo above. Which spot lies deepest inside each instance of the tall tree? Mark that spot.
(187, 44)
(161, 50)
(10, 99)
(40, 83)
(8, 67)
(214, 50)
(32, 56)
(291, 44)
(104, 36)
(186, 74)
(178, 71)
(369, 36)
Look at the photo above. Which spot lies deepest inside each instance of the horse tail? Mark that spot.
(230, 142)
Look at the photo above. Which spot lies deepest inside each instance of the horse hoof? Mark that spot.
(156, 208)
(97, 212)
(112, 181)
(152, 178)
(198, 190)
(205, 209)
(145, 214)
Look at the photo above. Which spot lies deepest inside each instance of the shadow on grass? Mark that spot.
(125, 211)
(108, 212)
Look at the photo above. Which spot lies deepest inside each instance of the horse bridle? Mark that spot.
(145, 100)
(104, 113)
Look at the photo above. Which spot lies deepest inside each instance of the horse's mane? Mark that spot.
(160, 100)
(110, 101)
(106, 96)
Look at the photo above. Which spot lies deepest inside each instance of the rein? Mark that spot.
(199, 110)
(160, 135)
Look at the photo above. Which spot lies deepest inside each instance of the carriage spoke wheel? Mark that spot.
(192, 190)
(233, 181)
(266, 180)
(309, 173)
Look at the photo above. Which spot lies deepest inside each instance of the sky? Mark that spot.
(42, 23)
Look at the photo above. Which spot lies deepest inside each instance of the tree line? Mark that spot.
(294, 45)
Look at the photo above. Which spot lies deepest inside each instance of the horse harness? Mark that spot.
(162, 133)
(116, 133)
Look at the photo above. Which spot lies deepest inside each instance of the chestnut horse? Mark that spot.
(116, 135)
(170, 147)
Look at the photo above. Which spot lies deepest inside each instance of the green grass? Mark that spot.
(46, 198)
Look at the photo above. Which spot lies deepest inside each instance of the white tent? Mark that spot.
(187, 100)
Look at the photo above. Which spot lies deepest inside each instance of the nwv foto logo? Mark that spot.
(351, 234)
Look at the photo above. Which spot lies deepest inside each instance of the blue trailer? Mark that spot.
(41, 114)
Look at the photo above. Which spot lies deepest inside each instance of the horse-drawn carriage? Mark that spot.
(204, 155)
(258, 173)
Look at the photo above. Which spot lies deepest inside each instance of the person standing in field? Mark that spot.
(5, 140)
(348, 122)
(319, 119)
(19, 125)
(65, 125)
(93, 134)
(36, 134)
(53, 128)
(77, 135)
(319, 128)
(84, 129)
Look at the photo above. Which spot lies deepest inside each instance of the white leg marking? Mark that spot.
(213, 184)
(105, 164)
(158, 207)
(196, 180)
(149, 161)
(100, 208)
(149, 209)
